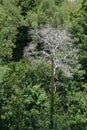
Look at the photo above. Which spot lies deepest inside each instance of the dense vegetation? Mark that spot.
(43, 65)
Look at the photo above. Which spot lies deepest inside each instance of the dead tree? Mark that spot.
(52, 41)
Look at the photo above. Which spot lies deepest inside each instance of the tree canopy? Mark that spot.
(43, 65)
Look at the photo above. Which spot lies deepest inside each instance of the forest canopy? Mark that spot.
(43, 65)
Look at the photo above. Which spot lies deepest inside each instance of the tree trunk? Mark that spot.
(52, 95)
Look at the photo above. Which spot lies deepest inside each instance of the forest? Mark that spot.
(43, 64)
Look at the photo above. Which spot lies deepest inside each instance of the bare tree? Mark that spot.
(53, 41)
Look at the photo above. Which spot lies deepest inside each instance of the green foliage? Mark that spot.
(22, 105)
(57, 2)
(46, 13)
(77, 108)
(70, 107)
(27, 5)
(79, 31)
(24, 73)
(25, 108)
(9, 21)
(3, 71)
(24, 85)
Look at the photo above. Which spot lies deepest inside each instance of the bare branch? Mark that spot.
(55, 40)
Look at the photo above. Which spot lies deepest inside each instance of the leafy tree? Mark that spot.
(80, 34)
(77, 110)
(57, 2)
(23, 73)
(25, 86)
(27, 5)
(3, 71)
(47, 12)
(78, 102)
(9, 21)
(23, 104)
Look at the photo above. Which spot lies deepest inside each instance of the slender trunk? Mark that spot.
(52, 95)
